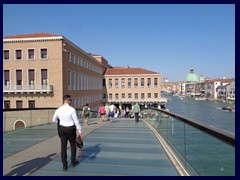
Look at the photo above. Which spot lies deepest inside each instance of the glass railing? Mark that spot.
(202, 150)
(15, 119)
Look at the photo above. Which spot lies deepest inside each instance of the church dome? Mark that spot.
(192, 77)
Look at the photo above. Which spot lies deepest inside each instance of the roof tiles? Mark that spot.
(123, 71)
(35, 35)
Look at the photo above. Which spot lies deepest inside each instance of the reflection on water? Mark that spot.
(209, 112)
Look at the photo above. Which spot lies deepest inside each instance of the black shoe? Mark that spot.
(74, 163)
(65, 168)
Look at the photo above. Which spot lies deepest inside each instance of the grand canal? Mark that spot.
(209, 112)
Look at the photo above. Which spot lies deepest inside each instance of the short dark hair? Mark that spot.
(66, 97)
(86, 104)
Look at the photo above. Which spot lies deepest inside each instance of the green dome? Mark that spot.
(192, 77)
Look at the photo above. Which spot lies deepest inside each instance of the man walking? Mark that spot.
(112, 112)
(68, 124)
(86, 114)
(136, 110)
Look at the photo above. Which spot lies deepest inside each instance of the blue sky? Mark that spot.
(165, 38)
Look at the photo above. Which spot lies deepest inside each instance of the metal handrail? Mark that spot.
(226, 136)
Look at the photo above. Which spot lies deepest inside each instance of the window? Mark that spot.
(69, 56)
(104, 82)
(110, 83)
(142, 96)
(135, 82)
(129, 95)
(30, 53)
(43, 53)
(142, 82)
(77, 60)
(7, 105)
(129, 82)
(6, 54)
(73, 58)
(73, 80)
(31, 104)
(44, 76)
(69, 78)
(149, 82)
(149, 95)
(116, 96)
(123, 82)
(116, 83)
(110, 96)
(19, 104)
(31, 78)
(19, 77)
(80, 61)
(123, 95)
(155, 82)
(155, 95)
(135, 95)
(18, 54)
(104, 96)
(6, 78)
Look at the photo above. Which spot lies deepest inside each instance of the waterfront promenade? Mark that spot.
(121, 148)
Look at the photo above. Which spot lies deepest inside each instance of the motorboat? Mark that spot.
(227, 108)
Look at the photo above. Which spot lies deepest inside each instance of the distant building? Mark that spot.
(125, 85)
(221, 92)
(230, 90)
(191, 80)
(209, 87)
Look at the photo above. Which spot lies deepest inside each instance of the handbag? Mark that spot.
(79, 142)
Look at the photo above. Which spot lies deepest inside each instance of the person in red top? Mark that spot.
(102, 111)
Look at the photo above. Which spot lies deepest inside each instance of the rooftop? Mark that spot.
(34, 35)
(225, 80)
(127, 70)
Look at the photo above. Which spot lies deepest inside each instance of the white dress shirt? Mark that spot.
(67, 116)
(112, 108)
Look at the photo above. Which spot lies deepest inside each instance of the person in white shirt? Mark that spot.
(112, 112)
(68, 124)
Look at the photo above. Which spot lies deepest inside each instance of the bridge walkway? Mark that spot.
(121, 148)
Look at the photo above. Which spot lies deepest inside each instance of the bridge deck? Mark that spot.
(122, 148)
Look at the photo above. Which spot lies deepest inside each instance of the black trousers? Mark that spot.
(67, 134)
(136, 117)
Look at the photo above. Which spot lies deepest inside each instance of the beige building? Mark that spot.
(125, 86)
(38, 69)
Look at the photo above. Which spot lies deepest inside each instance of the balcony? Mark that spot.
(28, 89)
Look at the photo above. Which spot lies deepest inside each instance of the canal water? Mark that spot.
(208, 112)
